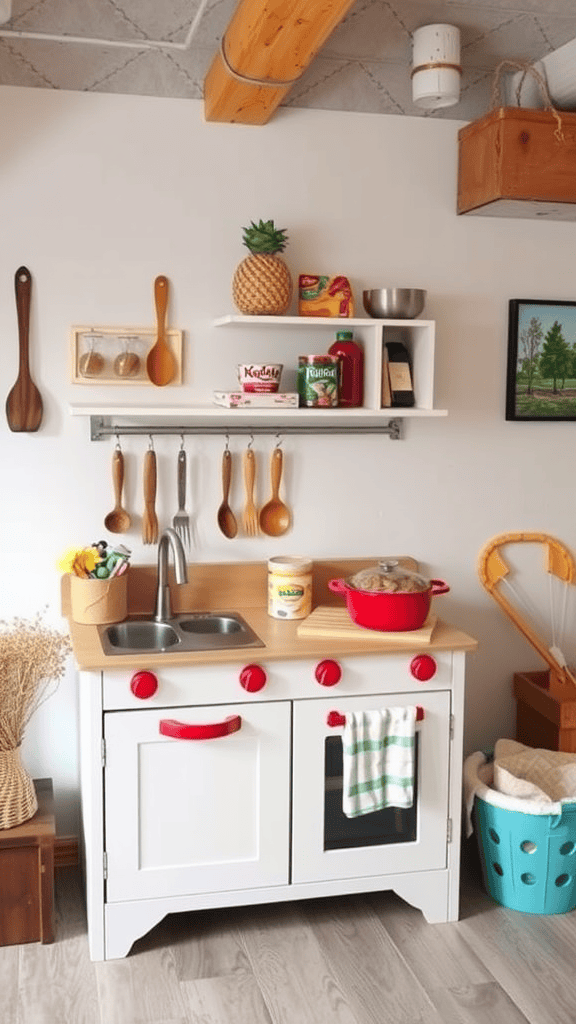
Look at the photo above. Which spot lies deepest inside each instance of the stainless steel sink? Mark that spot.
(193, 631)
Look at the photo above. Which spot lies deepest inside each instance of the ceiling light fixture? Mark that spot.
(436, 67)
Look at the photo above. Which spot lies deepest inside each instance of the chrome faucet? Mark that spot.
(169, 538)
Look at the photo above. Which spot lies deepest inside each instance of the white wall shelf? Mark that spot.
(295, 335)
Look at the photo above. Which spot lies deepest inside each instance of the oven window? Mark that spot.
(390, 825)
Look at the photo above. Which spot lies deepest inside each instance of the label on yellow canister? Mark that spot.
(289, 587)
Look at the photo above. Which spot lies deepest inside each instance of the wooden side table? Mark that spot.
(27, 874)
(545, 712)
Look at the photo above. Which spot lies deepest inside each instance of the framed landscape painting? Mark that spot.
(541, 374)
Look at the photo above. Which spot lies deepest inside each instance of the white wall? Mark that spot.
(100, 193)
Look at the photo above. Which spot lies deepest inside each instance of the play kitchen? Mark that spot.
(214, 772)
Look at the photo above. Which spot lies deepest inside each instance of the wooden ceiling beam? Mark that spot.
(267, 41)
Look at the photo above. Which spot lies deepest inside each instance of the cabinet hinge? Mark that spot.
(103, 753)
(449, 830)
(451, 727)
(105, 865)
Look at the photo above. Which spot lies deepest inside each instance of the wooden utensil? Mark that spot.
(250, 517)
(24, 404)
(275, 515)
(149, 519)
(161, 364)
(226, 518)
(118, 520)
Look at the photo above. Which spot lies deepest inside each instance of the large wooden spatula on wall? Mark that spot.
(24, 404)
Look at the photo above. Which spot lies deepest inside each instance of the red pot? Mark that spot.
(388, 612)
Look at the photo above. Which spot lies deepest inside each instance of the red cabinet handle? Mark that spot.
(334, 718)
(328, 672)
(204, 731)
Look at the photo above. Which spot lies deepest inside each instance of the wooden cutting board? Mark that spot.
(336, 622)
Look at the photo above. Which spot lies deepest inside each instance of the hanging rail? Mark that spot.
(102, 427)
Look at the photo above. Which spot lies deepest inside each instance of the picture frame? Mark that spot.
(541, 368)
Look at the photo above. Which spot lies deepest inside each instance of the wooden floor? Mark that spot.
(348, 960)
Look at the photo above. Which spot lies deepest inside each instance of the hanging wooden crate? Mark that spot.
(516, 162)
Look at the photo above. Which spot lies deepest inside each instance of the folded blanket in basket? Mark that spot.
(484, 779)
(534, 773)
(378, 763)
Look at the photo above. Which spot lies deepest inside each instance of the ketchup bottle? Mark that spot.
(351, 385)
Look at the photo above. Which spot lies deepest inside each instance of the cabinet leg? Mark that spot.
(430, 892)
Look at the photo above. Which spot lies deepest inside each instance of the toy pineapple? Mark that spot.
(262, 283)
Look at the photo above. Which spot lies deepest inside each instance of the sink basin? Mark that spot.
(205, 624)
(142, 635)
(192, 631)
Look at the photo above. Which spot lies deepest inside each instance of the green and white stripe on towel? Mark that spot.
(378, 760)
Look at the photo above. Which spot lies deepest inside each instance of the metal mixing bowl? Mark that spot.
(394, 303)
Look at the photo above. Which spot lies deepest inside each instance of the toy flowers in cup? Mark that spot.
(98, 583)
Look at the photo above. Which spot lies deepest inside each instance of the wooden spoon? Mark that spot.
(24, 404)
(161, 364)
(118, 520)
(226, 518)
(275, 515)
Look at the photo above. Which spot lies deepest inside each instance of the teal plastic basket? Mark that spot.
(528, 860)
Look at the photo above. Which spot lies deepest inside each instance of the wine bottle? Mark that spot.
(400, 374)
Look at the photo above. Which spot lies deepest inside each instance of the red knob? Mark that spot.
(423, 667)
(143, 685)
(253, 678)
(328, 672)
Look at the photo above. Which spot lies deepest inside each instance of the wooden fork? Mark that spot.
(250, 515)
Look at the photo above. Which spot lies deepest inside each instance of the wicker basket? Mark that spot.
(18, 800)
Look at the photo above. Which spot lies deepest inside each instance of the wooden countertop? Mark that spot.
(242, 587)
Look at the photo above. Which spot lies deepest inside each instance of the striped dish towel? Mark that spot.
(378, 760)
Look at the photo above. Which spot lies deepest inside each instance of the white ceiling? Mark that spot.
(164, 48)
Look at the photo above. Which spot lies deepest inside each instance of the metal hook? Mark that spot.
(227, 442)
(181, 442)
(117, 445)
(279, 440)
(150, 443)
(251, 441)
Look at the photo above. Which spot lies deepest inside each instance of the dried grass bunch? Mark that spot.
(32, 661)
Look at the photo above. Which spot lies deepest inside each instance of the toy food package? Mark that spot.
(324, 296)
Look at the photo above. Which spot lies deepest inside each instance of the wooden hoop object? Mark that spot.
(492, 569)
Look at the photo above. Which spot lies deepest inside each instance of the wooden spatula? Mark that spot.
(149, 519)
(24, 404)
(161, 364)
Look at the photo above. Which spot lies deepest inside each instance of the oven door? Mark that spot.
(328, 845)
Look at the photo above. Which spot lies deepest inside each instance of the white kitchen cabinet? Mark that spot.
(174, 825)
(325, 844)
(195, 815)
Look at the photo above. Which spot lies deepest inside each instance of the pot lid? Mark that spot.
(388, 577)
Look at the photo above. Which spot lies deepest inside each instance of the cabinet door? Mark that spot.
(196, 815)
(326, 844)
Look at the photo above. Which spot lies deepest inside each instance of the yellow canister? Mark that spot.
(289, 587)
